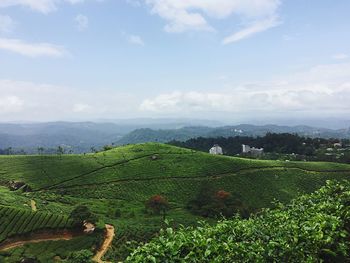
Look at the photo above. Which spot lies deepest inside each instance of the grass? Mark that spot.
(125, 177)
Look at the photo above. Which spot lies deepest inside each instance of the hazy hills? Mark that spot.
(82, 136)
(149, 135)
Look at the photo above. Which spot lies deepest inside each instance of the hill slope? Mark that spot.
(313, 228)
(186, 133)
(125, 177)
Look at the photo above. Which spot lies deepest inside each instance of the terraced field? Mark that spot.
(125, 177)
(17, 222)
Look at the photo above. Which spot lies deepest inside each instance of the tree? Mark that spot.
(158, 205)
(40, 150)
(82, 214)
(8, 151)
(211, 203)
(60, 150)
(203, 198)
(107, 147)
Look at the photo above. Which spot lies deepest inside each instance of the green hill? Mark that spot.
(125, 177)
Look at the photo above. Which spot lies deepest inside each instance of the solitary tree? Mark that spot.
(82, 214)
(60, 150)
(9, 151)
(158, 205)
(40, 150)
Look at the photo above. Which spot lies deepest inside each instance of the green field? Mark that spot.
(125, 177)
(15, 222)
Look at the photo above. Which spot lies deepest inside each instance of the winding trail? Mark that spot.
(106, 244)
(37, 238)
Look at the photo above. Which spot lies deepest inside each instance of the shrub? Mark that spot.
(118, 213)
(82, 256)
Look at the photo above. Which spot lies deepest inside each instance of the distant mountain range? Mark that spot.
(182, 134)
(81, 136)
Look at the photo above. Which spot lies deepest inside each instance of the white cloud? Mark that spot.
(10, 104)
(6, 24)
(185, 15)
(136, 40)
(31, 49)
(324, 89)
(340, 56)
(82, 22)
(256, 27)
(80, 107)
(42, 6)
(20, 100)
(133, 39)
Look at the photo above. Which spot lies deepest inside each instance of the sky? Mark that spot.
(210, 59)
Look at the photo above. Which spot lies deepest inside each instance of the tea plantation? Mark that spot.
(312, 228)
(115, 185)
(15, 222)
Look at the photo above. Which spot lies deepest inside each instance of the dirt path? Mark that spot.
(33, 205)
(106, 244)
(36, 238)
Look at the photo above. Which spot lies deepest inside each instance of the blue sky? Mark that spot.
(222, 59)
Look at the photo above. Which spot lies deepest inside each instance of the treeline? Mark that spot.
(40, 150)
(284, 143)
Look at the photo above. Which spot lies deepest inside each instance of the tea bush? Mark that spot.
(312, 228)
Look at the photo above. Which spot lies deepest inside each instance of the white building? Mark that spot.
(252, 150)
(245, 148)
(216, 149)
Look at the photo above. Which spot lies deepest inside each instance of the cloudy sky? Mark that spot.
(219, 59)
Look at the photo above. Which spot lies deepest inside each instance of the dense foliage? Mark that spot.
(82, 214)
(277, 145)
(271, 142)
(157, 204)
(311, 228)
(212, 203)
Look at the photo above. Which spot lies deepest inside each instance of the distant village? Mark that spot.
(246, 150)
(334, 152)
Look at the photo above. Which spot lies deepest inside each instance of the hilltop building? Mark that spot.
(216, 149)
(246, 149)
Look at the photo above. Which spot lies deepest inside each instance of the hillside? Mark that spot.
(312, 228)
(186, 133)
(125, 177)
